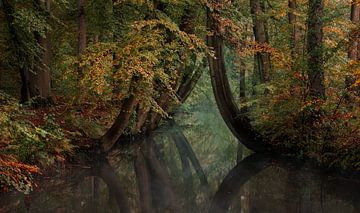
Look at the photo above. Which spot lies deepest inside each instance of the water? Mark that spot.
(198, 167)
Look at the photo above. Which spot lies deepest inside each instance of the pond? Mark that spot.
(192, 164)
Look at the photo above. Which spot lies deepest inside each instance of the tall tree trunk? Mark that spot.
(353, 53)
(354, 47)
(237, 123)
(242, 87)
(81, 27)
(294, 30)
(315, 49)
(261, 37)
(18, 45)
(39, 84)
(242, 82)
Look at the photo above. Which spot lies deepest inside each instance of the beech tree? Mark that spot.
(262, 59)
(315, 46)
(238, 124)
(31, 49)
(81, 26)
(354, 48)
(294, 29)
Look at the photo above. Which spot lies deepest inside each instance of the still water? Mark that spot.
(189, 166)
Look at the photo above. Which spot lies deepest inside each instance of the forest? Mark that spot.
(82, 78)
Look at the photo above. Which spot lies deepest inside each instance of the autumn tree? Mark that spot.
(238, 124)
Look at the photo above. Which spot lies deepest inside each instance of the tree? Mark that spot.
(354, 48)
(294, 30)
(39, 84)
(30, 46)
(176, 59)
(315, 48)
(81, 26)
(238, 124)
(262, 59)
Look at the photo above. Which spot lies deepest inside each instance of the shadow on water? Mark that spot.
(169, 173)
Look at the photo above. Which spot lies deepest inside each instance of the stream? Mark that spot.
(191, 165)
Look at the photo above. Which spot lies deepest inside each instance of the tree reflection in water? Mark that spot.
(162, 173)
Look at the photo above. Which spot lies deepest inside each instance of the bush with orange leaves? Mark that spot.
(14, 174)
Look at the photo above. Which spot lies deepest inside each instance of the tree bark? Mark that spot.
(354, 48)
(315, 49)
(18, 45)
(261, 38)
(117, 129)
(81, 27)
(353, 53)
(294, 30)
(237, 123)
(39, 84)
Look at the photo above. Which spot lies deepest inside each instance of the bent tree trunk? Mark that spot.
(237, 123)
(121, 122)
(147, 120)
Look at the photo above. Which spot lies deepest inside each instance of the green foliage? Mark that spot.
(145, 62)
(44, 143)
(31, 21)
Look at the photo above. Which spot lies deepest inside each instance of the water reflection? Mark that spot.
(168, 172)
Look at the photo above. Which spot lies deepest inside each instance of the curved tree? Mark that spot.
(238, 123)
(180, 86)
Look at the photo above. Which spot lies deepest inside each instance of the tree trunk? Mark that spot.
(39, 82)
(261, 38)
(353, 53)
(294, 30)
(113, 134)
(242, 87)
(354, 48)
(315, 49)
(18, 45)
(237, 123)
(81, 27)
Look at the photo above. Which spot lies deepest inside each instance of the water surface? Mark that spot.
(189, 167)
